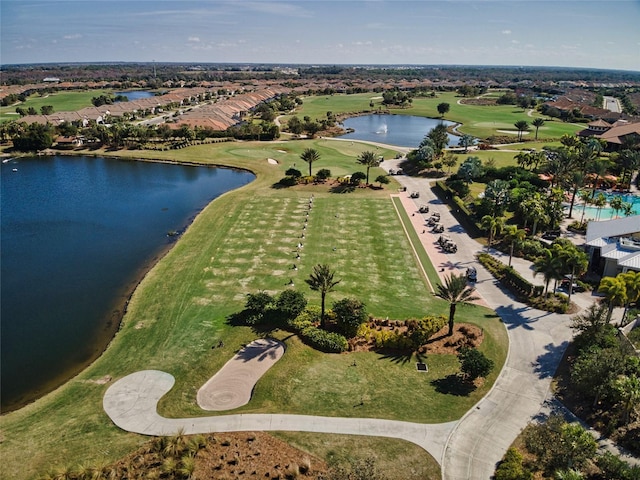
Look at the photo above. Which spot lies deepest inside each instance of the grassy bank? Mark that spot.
(60, 101)
(243, 242)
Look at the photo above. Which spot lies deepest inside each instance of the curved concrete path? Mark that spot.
(131, 403)
(232, 385)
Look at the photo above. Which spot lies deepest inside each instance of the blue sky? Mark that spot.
(584, 33)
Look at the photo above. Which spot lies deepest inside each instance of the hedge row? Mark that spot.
(509, 277)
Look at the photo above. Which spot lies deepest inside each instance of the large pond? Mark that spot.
(136, 94)
(77, 235)
(398, 130)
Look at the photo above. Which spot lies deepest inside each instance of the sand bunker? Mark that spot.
(512, 132)
(232, 386)
(272, 161)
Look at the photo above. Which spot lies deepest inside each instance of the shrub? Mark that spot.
(323, 174)
(288, 181)
(291, 303)
(511, 467)
(324, 341)
(350, 314)
(293, 172)
(474, 364)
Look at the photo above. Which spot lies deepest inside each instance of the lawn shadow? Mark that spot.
(347, 188)
(402, 357)
(453, 385)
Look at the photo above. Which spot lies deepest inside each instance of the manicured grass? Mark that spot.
(476, 120)
(243, 242)
(61, 102)
(399, 460)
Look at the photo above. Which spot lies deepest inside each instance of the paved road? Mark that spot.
(537, 341)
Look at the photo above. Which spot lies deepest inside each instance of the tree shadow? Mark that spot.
(453, 385)
(402, 357)
(515, 318)
(546, 364)
(343, 188)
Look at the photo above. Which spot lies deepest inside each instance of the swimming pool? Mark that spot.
(606, 212)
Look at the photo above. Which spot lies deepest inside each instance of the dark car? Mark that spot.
(566, 281)
(472, 275)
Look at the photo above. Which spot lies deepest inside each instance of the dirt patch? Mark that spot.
(220, 456)
(464, 334)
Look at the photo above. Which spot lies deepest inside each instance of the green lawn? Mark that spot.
(479, 121)
(243, 242)
(61, 102)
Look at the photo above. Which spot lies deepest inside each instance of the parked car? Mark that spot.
(414, 194)
(438, 228)
(551, 234)
(424, 209)
(472, 275)
(566, 281)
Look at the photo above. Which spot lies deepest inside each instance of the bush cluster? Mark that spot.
(304, 326)
(416, 334)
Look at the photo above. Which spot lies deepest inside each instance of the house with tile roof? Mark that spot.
(614, 245)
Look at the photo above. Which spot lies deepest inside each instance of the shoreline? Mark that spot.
(112, 319)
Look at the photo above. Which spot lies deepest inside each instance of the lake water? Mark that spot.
(136, 94)
(77, 234)
(399, 130)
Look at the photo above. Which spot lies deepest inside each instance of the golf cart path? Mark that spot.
(131, 403)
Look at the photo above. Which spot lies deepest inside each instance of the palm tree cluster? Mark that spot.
(456, 291)
(563, 258)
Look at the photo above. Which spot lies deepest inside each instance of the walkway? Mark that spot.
(131, 403)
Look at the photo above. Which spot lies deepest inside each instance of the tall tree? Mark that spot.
(627, 388)
(368, 159)
(575, 261)
(514, 234)
(615, 292)
(493, 225)
(549, 266)
(496, 194)
(439, 137)
(321, 280)
(537, 122)
(466, 141)
(455, 291)
(309, 156)
(443, 108)
(521, 126)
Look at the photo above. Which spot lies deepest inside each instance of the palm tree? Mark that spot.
(587, 197)
(632, 284)
(570, 474)
(576, 261)
(513, 235)
(466, 141)
(492, 225)
(616, 205)
(599, 202)
(321, 280)
(537, 122)
(368, 159)
(521, 126)
(549, 266)
(455, 291)
(497, 193)
(615, 292)
(310, 155)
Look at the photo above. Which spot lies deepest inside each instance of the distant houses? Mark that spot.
(616, 135)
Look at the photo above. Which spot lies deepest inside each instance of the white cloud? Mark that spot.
(506, 32)
(194, 39)
(368, 42)
(75, 36)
